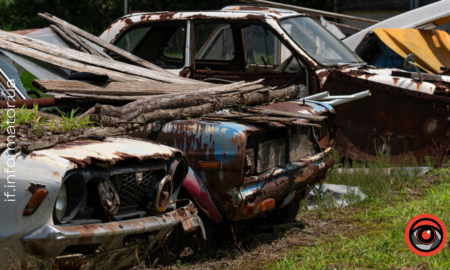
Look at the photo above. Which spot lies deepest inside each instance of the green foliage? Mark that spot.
(35, 123)
(27, 80)
(71, 122)
(96, 16)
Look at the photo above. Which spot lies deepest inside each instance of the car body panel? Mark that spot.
(24, 238)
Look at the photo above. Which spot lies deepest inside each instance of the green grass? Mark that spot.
(377, 240)
(36, 122)
(27, 80)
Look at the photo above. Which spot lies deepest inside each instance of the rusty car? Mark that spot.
(405, 113)
(91, 204)
(238, 171)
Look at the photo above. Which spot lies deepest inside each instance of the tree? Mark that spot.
(96, 16)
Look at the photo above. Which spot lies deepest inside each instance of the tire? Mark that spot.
(208, 225)
(186, 241)
(288, 213)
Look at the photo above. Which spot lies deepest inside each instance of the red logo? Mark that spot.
(426, 235)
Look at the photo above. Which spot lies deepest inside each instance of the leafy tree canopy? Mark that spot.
(95, 16)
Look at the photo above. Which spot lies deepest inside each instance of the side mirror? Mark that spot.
(409, 63)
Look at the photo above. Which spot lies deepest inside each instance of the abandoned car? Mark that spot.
(406, 113)
(91, 204)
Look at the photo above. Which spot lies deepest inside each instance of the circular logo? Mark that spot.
(426, 235)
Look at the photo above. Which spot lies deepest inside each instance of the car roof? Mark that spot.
(228, 12)
(259, 9)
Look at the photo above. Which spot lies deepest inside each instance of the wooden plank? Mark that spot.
(311, 11)
(271, 154)
(91, 59)
(63, 35)
(79, 41)
(65, 63)
(112, 88)
(104, 44)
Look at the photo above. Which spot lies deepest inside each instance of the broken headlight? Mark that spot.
(61, 203)
(71, 198)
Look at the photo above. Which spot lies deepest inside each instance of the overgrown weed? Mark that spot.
(32, 120)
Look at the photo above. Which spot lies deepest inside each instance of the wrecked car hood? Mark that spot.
(385, 76)
(49, 166)
(110, 150)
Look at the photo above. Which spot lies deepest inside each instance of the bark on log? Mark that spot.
(171, 101)
(94, 60)
(104, 44)
(196, 107)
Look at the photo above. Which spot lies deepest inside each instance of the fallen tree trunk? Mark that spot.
(170, 101)
(195, 107)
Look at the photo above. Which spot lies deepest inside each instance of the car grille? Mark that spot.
(130, 193)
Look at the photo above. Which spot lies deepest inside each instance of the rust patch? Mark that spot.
(384, 119)
(74, 144)
(33, 187)
(80, 162)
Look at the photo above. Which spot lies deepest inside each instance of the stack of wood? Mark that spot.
(78, 61)
(202, 103)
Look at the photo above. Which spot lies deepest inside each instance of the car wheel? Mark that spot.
(288, 213)
(208, 225)
(185, 245)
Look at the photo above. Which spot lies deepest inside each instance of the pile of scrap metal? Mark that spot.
(77, 197)
(404, 113)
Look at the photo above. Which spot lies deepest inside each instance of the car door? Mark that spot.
(230, 51)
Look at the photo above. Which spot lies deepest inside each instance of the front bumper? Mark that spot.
(50, 241)
(284, 185)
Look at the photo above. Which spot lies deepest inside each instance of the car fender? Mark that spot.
(200, 194)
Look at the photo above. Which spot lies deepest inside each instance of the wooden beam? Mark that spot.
(104, 44)
(91, 59)
(65, 63)
(63, 35)
(112, 88)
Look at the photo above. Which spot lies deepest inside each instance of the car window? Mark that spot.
(132, 38)
(175, 46)
(214, 42)
(161, 44)
(318, 42)
(260, 45)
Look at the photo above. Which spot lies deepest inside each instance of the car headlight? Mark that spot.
(61, 203)
(71, 198)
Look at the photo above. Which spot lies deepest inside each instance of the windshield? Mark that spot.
(320, 44)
